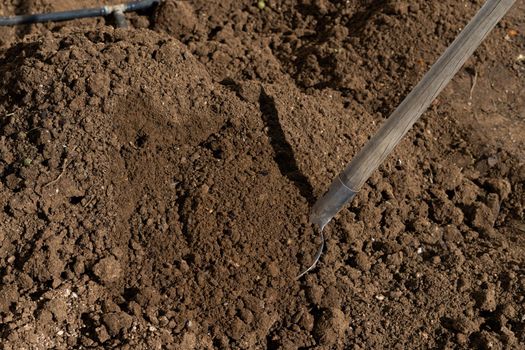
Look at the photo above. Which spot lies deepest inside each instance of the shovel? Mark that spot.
(348, 183)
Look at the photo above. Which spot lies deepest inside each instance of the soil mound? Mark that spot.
(99, 131)
(150, 203)
(155, 186)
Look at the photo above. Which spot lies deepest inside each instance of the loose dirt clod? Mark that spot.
(331, 326)
(108, 270)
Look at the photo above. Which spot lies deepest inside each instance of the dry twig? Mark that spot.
(64, 166)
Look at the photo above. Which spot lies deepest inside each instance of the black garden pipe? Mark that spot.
(116, 10)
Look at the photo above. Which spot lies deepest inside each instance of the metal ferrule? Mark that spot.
(331, 202)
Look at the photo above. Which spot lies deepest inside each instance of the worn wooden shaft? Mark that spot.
(348, 183)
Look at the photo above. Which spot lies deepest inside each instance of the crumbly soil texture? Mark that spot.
(156, 181)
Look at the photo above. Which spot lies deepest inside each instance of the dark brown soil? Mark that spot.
(155, 182)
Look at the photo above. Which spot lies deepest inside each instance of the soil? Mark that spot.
(155, 182)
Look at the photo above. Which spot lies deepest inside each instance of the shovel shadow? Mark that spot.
(283, 152)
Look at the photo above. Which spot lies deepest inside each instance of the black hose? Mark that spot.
(104, 11)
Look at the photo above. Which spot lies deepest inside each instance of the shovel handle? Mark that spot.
(357, 172)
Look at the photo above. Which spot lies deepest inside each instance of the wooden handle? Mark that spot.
(349, 182)
(413, 106)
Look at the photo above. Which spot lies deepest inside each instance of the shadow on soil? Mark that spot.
(284, 156)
